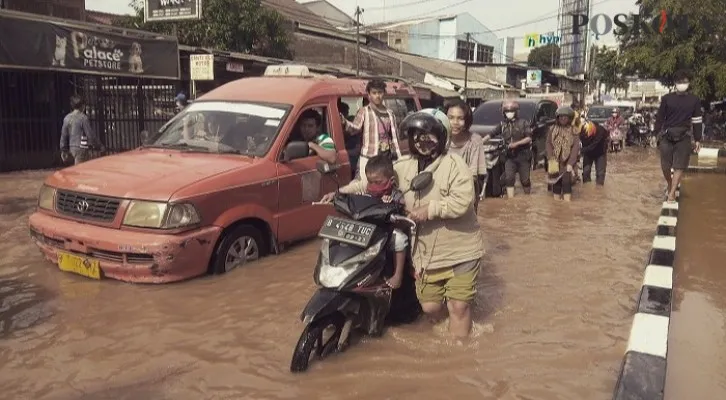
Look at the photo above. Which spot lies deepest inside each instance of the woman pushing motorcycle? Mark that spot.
(449, 243)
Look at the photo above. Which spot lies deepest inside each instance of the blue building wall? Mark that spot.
(423, 39)
(437, 38)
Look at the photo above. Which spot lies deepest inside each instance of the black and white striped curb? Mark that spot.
(643, 371)
(708, 161)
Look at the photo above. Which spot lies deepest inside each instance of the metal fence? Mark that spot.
(33, 104)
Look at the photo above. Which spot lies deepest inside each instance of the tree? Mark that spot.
(608, 69)
(229, 25)
(692, 39)
(543, 56)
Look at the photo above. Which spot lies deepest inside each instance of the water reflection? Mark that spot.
(697, 344)
(556, 301)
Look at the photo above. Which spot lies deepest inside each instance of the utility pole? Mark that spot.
(466, 64)
(358, 12)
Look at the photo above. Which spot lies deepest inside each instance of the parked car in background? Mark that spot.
(599, 114)
(224, 182)
(539, 113)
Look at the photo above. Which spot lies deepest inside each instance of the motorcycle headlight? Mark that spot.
(151, 214)
(331, 276)
(46, 197)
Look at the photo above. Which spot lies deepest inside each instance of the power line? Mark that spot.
(413, 3)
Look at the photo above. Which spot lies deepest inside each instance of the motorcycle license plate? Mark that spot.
(355, 233)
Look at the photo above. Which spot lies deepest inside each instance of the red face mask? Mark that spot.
(380, 189)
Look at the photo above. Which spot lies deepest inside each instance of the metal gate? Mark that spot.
(33, 105)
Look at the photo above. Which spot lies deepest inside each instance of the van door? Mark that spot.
(300, 184)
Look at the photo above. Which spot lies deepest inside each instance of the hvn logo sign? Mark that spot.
(635, 24)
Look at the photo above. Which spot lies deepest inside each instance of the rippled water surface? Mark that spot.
(552, 316)
(697, 342)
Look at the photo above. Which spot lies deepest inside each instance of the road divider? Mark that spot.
(643, 371)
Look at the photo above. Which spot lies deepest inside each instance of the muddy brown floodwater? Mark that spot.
(697, 342)
(553, 313)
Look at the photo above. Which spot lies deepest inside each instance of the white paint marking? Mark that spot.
(658, 276)
(664, 243)
(670, 206)
(649, 335)
(668, 221)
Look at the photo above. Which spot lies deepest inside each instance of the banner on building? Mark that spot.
(77, 48)
(534, 78)
(172, 10)
(201, 67)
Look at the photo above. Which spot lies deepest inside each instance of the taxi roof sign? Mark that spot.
(287, 70)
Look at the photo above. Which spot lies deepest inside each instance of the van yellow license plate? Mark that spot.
(79, 265)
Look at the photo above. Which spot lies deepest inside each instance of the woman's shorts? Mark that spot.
(453, 283)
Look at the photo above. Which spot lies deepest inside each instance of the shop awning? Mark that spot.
(46, 43)
(441, 92)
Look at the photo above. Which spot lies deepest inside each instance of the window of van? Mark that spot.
(224, 127)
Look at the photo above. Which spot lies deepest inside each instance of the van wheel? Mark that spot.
(238, 247)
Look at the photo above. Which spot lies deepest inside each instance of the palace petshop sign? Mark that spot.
(103, 53)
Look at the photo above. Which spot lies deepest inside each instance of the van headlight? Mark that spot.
(46, 197)
(331, 276)
(152, 214)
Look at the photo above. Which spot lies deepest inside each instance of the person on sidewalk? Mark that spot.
(517, 134)
(377, 125)
(680, 126)
(563, 152)
(77, 136)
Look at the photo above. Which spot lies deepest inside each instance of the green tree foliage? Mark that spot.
(230, 25)
(607, 68)
(541, 57)
(692, 39)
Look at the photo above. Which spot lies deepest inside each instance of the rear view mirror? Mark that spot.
(325, 168)
(295, 150)
(422, 181)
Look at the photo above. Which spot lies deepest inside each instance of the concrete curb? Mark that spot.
(643, 371)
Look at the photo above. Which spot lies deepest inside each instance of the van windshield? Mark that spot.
(224, 127)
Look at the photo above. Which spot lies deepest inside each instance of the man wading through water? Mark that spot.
(517, 134)
(678, 122)
(377, 125)
(77, 137)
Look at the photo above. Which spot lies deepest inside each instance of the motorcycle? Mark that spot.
(617, 138)
(354, 257)
(495, 153)
(643, 135)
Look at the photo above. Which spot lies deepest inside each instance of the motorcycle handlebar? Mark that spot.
(397, 218)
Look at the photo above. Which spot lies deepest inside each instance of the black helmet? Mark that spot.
(424, 122)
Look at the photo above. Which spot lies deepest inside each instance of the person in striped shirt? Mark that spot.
(319, 142)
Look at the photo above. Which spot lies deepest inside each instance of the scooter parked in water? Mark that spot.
(355, 256)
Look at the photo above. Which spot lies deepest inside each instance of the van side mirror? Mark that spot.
(325, 168)
(295, 150)
(422, 181)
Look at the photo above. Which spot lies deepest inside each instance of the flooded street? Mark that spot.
(697, 344)
(552, 316)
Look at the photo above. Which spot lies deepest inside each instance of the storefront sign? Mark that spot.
(534, 78)
(235, 67)
(172, 10)
(77, 48)
(201, 67)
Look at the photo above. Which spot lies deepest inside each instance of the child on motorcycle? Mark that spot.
(382, 184)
